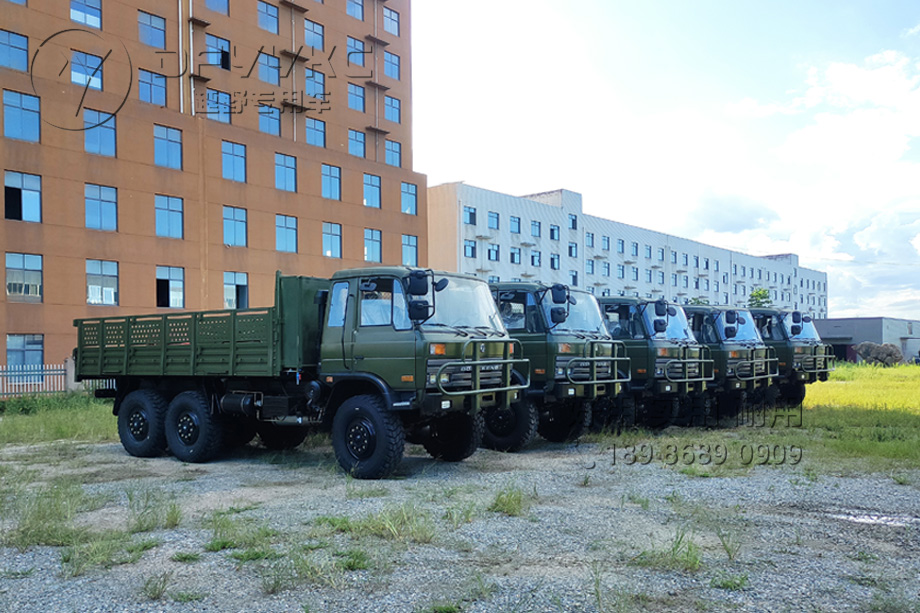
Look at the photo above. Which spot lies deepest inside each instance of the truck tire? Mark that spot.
(662, 412)
(701, 411)
(510, 429)
(193, 433)
(368, 441)
(141, 423)
(238, 431)
(278, 438)
(565, 421)
(731, 404)
(455, 436)
(793, 393)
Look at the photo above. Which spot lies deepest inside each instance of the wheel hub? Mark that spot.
(500, 421)
(187, 428)
(361, 439)
(138, 425)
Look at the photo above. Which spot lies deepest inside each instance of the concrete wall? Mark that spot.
(847, 332)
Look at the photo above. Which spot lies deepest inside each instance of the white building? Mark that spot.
(546, 237)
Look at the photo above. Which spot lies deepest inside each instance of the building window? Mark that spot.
(634, 249)
(152, 87)
(371, 191)
(86, 70)
(696, 262)
(589, 267)
(605, 269)
(515, 255)
(356, 143)
(392, 109)
(390, 21)
(494, 279)
(316, 132)
(573, 221)
(493, 252)
(21, 116)
(573, 278)
(218, 106)
(706, 264)
(314, 35)
(605, 243)
(101, 207)
(285, 172)
(234, 226)
(648, 275)
(409, 250)
(391, 65)
(355, 97)
(554, 261)
(673, 279)
(469, 215)
(553, 232)
(332, 240)
(573, 250)
(101, 282)
(621, 271)
(25, 352)
(167, 147)
(169, 214)
(661, 254)
(393, 153)
(535, 229)
(170, 287)
(236, 290)
(98, 133)
(217, 51)
(589, 239)
(269, 69)
(22, 197)
(315, 84)
(409, 203)
(684, 259)
(355, 8)
(151, 30)
(87, 12)
(14, 50)
(24, 277)
(233, 156)
(286, 233)
(355, 51)
(493, 220)
(535, 259)
(218, 6)
(332, 182)
(648, 252)
(674, 257)
(515, 225)
(621, 245)
(372, 248)
(270, 120)
(469, 248)
(268, 17)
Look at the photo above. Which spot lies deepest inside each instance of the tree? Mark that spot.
(760, 297)
(698, 300)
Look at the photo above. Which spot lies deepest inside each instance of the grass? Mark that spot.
(730, 543)
(186, 557)
(353, 559)
(511, 500)
(727, 581)
(53, 417)
(148, 509)
(402, 523)
(45, 516)
(680, 554)
(155, 586)
(188, 596)
(229, 532)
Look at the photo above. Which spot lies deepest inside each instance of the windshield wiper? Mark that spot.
(483, 330)
(456, 329)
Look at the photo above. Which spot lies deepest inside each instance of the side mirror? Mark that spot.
(730, 331)
(419, 310)
(560, 294)
(660, 325)
(418, 283)
(557, 315)
(796, 329)
(440, 285)
(672, 312)
(661, 308)
(796, 317)
(731, 317)
(806, 318)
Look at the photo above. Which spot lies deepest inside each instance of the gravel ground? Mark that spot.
(593, 536)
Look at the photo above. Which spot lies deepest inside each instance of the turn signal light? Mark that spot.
(438, 349)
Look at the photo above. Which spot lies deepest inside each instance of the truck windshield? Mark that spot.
(678, 328)
(747, 330)
(465, 304)
(584, 315)
(808, 333)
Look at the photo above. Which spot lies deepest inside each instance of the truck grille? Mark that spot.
(461, 376)
(580, 370)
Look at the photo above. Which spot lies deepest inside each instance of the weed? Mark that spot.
(869, 581)
(730, 543)
(353, 559)
(886, 602)
(276, 577)
(186, 557)
(726, 581)
(147, 510)
(321, 570)
(443, 607)
(479, 588)
(901, 479)
(173, 516)
(355, 491)
(55, 417)
(254, 555)
(17, 574)
(155, 586)
(585, 481)
(45, 516)
(403, 523)
(231, 533)
(188, 596)
(141, 546)
(674, 498)
(511, 501)
(680, 554)
(460, 514)
(635, 498)
(862, 556)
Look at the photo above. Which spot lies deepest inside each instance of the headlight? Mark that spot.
(560, 371)
(731, 371)
(797, 365)
(659, 372)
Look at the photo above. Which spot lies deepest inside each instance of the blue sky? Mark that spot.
(767, 127)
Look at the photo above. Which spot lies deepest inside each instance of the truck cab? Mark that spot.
(802, 357)
(573, 361)
(669, 368)
(743, 366)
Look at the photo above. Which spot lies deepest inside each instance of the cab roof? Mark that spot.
(395, 271)
(527, 286)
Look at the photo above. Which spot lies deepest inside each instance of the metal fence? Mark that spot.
(43, 379)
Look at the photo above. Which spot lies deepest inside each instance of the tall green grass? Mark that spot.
(868, 387)
(75, 417)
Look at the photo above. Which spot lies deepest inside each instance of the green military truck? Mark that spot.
(743, 366)
(802, 357)
(572, 358)
(669, 368)
(375, 355)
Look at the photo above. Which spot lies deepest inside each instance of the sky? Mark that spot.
(764, 127)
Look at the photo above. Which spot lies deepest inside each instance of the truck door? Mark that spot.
(522, 318)
(384, 339)
(624, 322)
(338, 341)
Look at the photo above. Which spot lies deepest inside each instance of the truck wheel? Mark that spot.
(731, 404)
(603, 413)
(455, 436)
(141, 425)
(193, 433)
(701, 410)
(794, 393)
(662, 411)
(237, 431)
(510, 429)
(368, 441)
(565, 421)
(277, 437)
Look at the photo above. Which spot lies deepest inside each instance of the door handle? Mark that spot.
(359, 357)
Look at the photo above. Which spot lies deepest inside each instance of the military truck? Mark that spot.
(743, 366)
(572, 358)
(669, 368)
(374, 355)
(802, 357)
